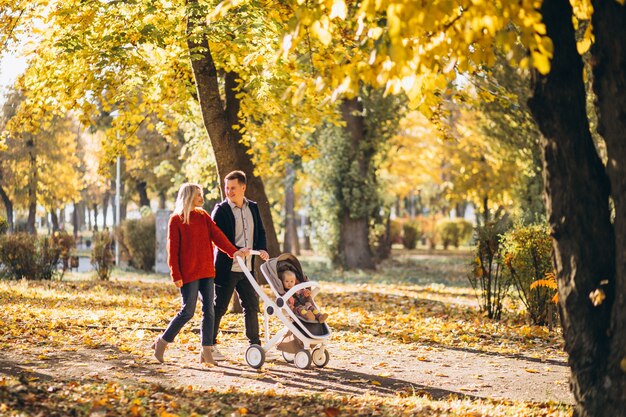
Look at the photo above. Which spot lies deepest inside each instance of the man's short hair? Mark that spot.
(236, 175)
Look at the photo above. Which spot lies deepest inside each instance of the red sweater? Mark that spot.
(190, 246)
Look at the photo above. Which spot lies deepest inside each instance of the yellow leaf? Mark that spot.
(541, 62)
(532, 371)
(597, 297)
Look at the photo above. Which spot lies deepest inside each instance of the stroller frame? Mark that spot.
(313, 349)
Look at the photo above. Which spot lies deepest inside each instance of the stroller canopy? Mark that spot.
(283, 261)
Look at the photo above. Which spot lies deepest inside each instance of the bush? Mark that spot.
(454, 232)
(102, 255)
(410, 234)
(27, 256)
(396, 231)
(529, 260)
(489, 270)
(139, 238)
(66, 243)
(4, 226)
(18, 254)
(49, 257)
(427, 227)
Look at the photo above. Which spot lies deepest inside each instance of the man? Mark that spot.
(240, 220)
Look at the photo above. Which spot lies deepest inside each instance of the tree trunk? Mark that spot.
(354, 245)
(577, 197)
(8, 206)
(105, 208)
(114, 203)
(609, 84)
(219, 117)
(162, 200)
(290, 242)
(75, 224)
(54, 219)
(142, 190)
(32, 187)
(306, 233)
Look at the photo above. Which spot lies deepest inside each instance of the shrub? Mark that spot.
(489, 273)
(528, 258)
(410, 234)
(27, 256)
(18, 254)
(48, 257)
(139, 239)
(396, 231)
(427, 226)
(66, 243)
(454, 232)
(466, 230)
(4, 226)
(101, 254)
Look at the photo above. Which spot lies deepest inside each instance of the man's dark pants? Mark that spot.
(237, 281)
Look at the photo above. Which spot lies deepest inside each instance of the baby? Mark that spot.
(301, 302)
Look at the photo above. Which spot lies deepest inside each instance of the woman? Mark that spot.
(190, 238)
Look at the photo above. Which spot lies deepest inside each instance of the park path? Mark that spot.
(385, 368)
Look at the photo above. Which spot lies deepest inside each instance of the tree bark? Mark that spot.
(32, 187)
(354, 246)
(306, 233)
(162, 200)
(583, 245)
(105, 208)
(609, 84)
(54, 219)
(142, 190)
(8, 206)
(290, 241)
(75, 220)
(219, 116)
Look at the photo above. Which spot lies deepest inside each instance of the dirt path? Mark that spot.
(383, 369)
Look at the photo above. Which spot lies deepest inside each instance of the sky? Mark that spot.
(10, 68)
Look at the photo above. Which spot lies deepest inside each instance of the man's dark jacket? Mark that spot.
(223, 216)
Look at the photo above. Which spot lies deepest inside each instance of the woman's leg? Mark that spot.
(189, 296)
(206, 289)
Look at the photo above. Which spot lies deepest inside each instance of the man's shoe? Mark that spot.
(217, 355)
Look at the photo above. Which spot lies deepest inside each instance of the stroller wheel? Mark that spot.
(255, 356)
(320, 357)
(302, 359)
(289, 357)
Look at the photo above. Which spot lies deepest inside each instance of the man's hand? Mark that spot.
(178, 283)
(264, 255)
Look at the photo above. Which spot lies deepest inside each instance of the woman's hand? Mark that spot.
(264, 255)
(243, 252)
(178, 283)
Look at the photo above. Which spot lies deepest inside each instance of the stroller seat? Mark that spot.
(306, 338)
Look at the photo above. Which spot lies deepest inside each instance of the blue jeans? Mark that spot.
(189, 293)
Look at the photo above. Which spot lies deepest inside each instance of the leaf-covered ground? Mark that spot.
(407, 340)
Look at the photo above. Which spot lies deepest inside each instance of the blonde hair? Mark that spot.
(184, 200)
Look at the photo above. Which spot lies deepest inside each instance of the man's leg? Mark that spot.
(250, 303)
(223, 294)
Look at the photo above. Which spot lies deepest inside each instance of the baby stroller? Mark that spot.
(301, 341)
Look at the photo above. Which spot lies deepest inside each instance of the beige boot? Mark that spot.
(206, 356)
(159, 346)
